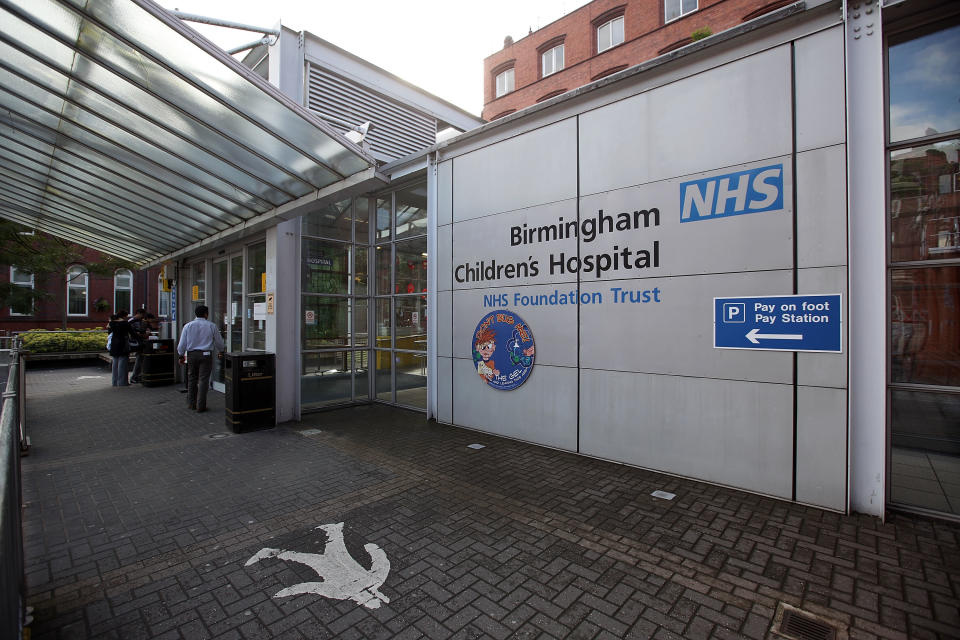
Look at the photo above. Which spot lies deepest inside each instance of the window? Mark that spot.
(163, 297)
(25, 280)
(505, 82)
(923, 269)
(123, 290)
(552, 60)
(673, 9)
(610, 34)
(76, 291)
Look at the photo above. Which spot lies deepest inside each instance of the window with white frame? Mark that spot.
(76, 291)
(552, 60)
(610, 34)
(673, 9)
(23, 279)
(505, 82)
(122, 290)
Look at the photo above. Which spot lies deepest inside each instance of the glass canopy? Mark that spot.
(123, 129)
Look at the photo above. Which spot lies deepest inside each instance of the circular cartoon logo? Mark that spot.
(503, 350)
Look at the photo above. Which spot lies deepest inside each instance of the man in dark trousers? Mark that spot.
(138, 336)
(198, 342)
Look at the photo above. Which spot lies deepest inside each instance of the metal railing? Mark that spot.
(13, 584)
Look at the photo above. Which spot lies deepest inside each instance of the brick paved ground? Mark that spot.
(139, 524)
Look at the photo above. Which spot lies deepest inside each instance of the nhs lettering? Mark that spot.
(732, 194)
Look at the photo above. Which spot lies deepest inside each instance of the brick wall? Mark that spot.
(48, 313)
(645, 37)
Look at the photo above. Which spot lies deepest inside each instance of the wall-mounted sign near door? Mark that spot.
(503, 349)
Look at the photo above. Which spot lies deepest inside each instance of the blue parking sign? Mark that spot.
(779, 323)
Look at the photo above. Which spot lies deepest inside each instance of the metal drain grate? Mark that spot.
(799, 625)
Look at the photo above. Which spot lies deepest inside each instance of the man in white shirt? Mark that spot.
(198, 341)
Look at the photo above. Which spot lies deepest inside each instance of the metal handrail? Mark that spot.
(13, 583)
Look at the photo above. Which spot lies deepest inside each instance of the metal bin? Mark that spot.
(159, 359)
(250, 390)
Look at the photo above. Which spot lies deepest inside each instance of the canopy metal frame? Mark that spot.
(123, 129)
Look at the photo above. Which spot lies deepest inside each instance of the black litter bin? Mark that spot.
(251, 390)
(159, 359)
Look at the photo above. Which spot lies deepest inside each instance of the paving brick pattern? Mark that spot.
(138, 525)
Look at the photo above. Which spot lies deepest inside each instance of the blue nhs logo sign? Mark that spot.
(732, 194)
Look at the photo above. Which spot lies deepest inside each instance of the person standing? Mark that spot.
(198, 342)
(138, 337)
(119, 330)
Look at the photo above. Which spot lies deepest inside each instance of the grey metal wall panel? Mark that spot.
(825, 369)
(822, 447)
(531, 169)
(485, 243)
(675, 336)
(535, 412)
(445, 324)
(821, 90)
(445, 193)
(822, 207)
(396, 131)
(444, 258)
(554, 328)
(444, 378)
(706, 246)
(735, 433)
(729, 115)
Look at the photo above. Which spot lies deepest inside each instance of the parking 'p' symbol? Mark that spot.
(734, 312)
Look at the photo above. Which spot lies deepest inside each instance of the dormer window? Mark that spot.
(610, 34)
(551, 60)
(673, 9)
(504, 82)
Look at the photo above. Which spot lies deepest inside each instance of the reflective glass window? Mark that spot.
(325, 322)
(21, 305)
(925, 202)
(382, 269)
(257, 268)
(332, 221)
(383, 379)
(383, 218)
(360, 271)
(326, 266)
(411, 322)
(411, 213)
(326, 378)
(384, 322)
(123, 290)
(361, 217)
(198, 286)
(76, 291)
(923, 76)
(925, 326)
(411, 264)
(361, 325)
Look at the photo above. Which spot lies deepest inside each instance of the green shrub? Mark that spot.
(41, 341)
(701, 33)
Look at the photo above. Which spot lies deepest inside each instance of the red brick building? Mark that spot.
(82, 300)
(599, 39)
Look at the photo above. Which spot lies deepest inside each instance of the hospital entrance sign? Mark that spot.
(778, 323)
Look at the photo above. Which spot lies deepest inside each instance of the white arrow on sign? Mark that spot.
(755, 337)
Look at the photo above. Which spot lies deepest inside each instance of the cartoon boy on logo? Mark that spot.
(484, 346)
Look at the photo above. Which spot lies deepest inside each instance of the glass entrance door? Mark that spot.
(226, 305)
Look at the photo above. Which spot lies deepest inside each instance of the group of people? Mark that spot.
(128, 335)
(199, 341)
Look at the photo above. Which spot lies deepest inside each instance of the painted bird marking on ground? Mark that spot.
(343, 577)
